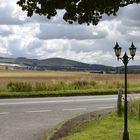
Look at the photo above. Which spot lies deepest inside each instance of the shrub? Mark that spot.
(79, 84)
(19, 86)
(92, 83)
(57, 86)
(40, 87)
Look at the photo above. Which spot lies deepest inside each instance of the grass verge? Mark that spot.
(99, 126)
(58, 93)
(109, 127)
(61, 93)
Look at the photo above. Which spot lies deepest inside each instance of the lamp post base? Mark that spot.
(125, 135)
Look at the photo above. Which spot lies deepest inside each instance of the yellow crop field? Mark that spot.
(57, 76)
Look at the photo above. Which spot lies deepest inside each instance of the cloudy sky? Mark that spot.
(38, 37)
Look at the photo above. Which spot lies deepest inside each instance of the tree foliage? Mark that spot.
(81, 11)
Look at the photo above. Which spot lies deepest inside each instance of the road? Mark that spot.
(31, 118)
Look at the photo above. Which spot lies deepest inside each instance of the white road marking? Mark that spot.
(4, 113)
(73, 109)
(56, 101)
(38, 111)
(105, 107)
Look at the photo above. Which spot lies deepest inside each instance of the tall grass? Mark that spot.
(24, 86)
(39, 87)
(67, 85)
(134, 108)
(19, 86)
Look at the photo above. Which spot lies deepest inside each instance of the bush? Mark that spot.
(57, 86)
(79, 84)
(19, 87)
(92, 83)
(40, 87)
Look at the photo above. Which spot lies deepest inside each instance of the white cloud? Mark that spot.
(5, 31)
(38, 37)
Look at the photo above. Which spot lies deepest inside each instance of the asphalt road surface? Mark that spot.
(31, 118)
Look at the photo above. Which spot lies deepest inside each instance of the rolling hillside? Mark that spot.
(63, 64)
(54, 64)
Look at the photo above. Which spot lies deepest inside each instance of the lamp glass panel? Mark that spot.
(118, 51)
(132, 51)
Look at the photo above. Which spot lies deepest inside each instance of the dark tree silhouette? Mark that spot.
(81, 11)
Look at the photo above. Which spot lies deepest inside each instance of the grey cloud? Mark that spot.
(36, 48)
(131, 23)
(37, 19)
(58, 19)
(34, 45)
(81, 46)
(129, 15)
(17, 49)
(131, 12)
(124, 29)
(7, 16)
(127, 12)
(5, 32)
(133, 38)
(9, 21)
(14, 47)
(129, 33)
(48, 31)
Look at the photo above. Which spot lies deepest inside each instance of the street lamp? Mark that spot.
(125, 59)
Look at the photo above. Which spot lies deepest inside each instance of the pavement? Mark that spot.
(31, 118)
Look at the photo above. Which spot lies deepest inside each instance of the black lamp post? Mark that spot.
(125, 59)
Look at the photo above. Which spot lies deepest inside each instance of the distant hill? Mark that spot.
(134, 68)
(55, 64)
(62, 64)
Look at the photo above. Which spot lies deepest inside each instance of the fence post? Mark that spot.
(119, 102)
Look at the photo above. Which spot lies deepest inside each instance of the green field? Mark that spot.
(56, 83)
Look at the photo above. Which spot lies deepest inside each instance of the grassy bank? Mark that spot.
(99, 127)
(57, 93)
(107, 128)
